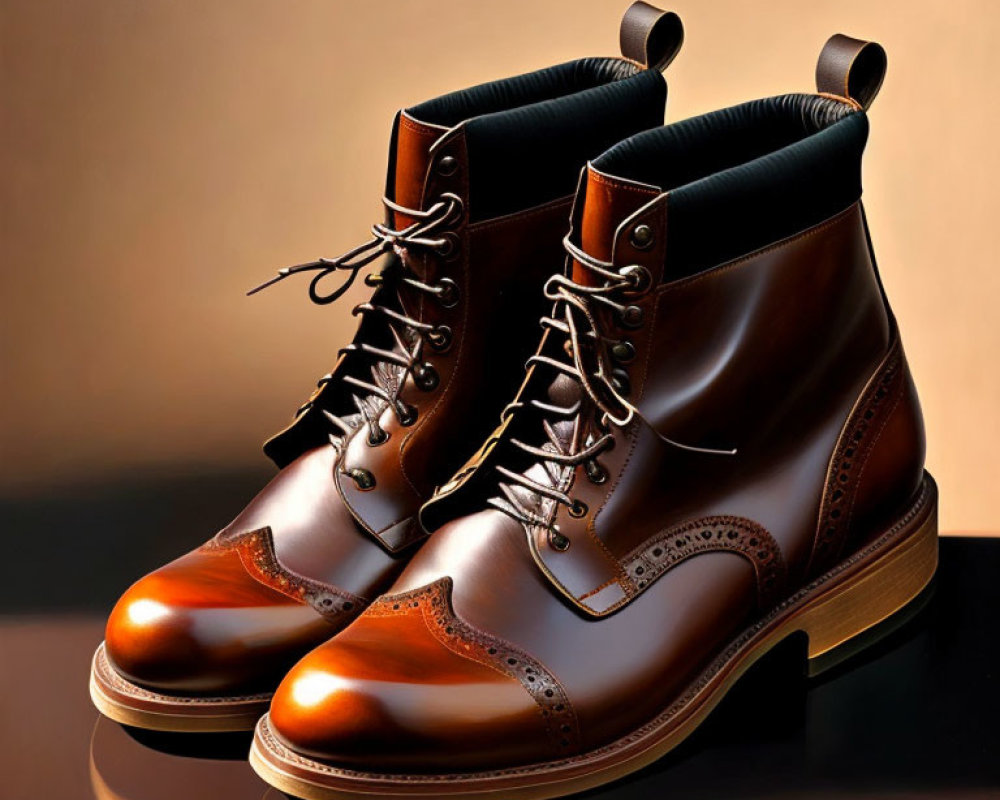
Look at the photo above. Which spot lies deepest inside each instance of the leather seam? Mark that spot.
(868, 454)
(847, 100)
(494, 667)
(720, 269)
(419, 127)
(517, 216)
(889, 367)
(633, 435)
(599, 177)
(726, 533)
(602, 587)
(456, 366)
(284, 580)
(356, 516)
(460, 350)
(438, 595)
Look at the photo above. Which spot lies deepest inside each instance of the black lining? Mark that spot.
(528, 136)
(743, 177)
(533, 87)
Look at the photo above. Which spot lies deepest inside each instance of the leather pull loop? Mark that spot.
(851, 68)
(650, 36)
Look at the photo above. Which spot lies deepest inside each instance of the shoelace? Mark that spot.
(408, 333)
(575, 304)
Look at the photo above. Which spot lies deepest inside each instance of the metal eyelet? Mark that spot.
(596, 474)
(447, 165)
(407, 415)
(440, 337)
(457, 210)
(631, 317)
(638, 277)
(623, 352)
(557, 541)
(448, 292)
(425, 376)
(363, 478)
(578, 509)
(450, 247)
(642, 237)
(375, 439)
(621, 382)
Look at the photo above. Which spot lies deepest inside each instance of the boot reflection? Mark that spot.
(129, 764)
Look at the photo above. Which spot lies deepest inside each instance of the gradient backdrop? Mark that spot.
(159, 157)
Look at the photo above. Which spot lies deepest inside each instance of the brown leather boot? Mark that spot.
(480, 187)
(718, 445)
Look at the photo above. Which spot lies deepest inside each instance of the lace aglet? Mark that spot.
(282, 273)
(708, 451)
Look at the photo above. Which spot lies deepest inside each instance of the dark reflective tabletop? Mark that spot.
(917, 715)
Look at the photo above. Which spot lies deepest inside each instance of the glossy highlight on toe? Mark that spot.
(407, 687)
(202, 624)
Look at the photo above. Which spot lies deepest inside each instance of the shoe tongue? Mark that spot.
(607, 201)
(413, 154)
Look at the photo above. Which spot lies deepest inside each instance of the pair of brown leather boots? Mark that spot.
(717, 445)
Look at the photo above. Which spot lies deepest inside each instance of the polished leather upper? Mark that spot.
(324, 527)
(203, 624)
(786, 365)
(317, 545)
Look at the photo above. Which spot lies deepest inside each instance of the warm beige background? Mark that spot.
(158, 157)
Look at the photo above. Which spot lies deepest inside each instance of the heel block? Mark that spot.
(888, 579)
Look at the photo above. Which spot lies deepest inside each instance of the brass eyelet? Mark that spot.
(448, 292)
(447, 165)
(632, 317)
(623, 351)
(557, 541)
(596, 474)
(450, 247)
(642, 237)
(426, 377)
(457, 210)
(440, 338)
(363, 478)
(578, 509)
(638, 277)
(407, 415)
(620, 381)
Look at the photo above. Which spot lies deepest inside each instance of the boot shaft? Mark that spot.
(751, 350)
(501, 162)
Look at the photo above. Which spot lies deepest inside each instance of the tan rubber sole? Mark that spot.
(861, 592)
(130, 704)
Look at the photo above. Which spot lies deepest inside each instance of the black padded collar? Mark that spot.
(528, 136)
(743, 177)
